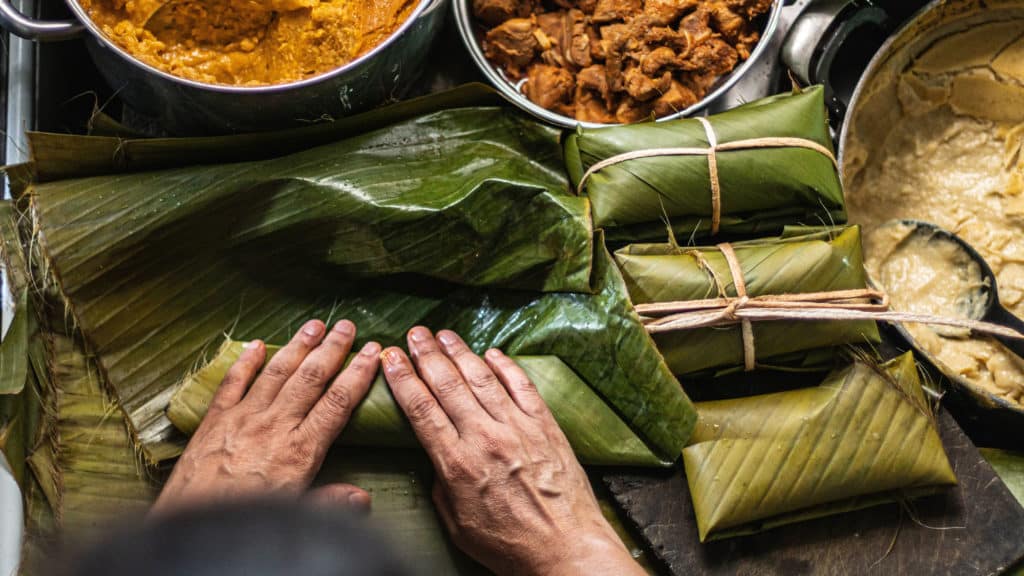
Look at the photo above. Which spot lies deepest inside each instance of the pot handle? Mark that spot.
(12, 20)
(822, 29)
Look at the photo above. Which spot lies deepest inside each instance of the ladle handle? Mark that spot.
(12, 20)
(1004, 317)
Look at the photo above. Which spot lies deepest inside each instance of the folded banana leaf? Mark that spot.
(597, 434)
(799, 261)
(762, 189)
(866, 435)
(459, 219)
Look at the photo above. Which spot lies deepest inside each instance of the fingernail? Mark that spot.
(446, 338)
(251, 344)
(312, 328)
(345, 328)
(390, 357)
(370, 349)
(419, 334)
(493, 353)
(359, 502)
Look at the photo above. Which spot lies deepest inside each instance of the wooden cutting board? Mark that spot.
(975, 528)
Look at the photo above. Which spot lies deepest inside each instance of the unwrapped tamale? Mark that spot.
(866, 435)
(763, 188)
(799, 261)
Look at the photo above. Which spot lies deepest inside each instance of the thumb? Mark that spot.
(343, 495)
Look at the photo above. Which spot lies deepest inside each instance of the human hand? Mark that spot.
(509, 488)
(272, 437)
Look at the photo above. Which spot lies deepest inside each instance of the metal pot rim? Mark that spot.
(885, 51)
(98, 34)
(464, 19)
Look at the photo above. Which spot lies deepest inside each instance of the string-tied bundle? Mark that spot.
(711, 152)
(863, 304)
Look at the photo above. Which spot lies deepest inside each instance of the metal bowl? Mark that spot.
(183, 106)
(467, 29)
(873, 111)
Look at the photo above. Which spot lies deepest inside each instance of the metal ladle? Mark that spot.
(989, 309)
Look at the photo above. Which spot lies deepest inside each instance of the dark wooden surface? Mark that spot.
(975, 528)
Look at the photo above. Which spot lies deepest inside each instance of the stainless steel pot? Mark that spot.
(187, 107)
(867, 116)
(468, 31)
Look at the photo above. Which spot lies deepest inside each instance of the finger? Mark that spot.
(342, 495)
(302, 390)
(481, 379)
(444, 380)
(332, 411)
(284, 364)
(240, 375)
(432, 426)
(518, 384)
(443, 505)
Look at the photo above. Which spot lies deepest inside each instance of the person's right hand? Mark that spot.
(509, 488)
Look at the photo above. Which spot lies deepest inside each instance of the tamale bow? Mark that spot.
(800, 261)
(773, 167)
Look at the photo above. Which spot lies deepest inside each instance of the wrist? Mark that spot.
(594, 553)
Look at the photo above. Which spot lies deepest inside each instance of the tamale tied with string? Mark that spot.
(799, 261)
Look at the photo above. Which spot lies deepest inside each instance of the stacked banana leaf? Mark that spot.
(456, 217)
(865, 435)
(143, 263)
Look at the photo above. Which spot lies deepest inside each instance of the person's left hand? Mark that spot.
(272, 437)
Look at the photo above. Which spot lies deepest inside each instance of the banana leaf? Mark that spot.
(459, 219)
(762, 190)
(1010, 468)
(596, 433)
(866, 435)
(799, 261)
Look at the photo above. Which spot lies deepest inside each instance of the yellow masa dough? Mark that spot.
(247, 42)
(953, 158)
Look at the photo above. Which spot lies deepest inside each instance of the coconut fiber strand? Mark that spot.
(458, 219)
(762, 189)
(866, 435)
(799, 261)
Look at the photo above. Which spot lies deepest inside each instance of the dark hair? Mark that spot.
(243, 538)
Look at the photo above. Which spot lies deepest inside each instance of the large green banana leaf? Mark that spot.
(799, 261)
(762, 190)
(864, 436)
(157, 266)
(597, 434)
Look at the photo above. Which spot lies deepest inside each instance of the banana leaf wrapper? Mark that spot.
(459, 219)
(596, 433)
(865, 436)
(799, 261)
(762, 190)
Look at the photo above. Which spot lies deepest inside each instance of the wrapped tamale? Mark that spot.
(866, 435)
(799, 261)
(596, 433)
(763, 185)
(459, 219)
